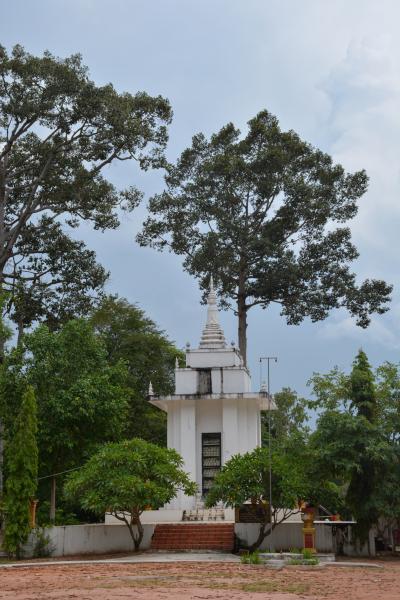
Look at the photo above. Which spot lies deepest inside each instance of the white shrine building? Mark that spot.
(213, 413)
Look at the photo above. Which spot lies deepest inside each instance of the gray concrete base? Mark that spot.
(145, 557)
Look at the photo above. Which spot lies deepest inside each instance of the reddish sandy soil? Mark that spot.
(199, 581)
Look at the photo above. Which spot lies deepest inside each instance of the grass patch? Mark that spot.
(252, 558)
(304, 561)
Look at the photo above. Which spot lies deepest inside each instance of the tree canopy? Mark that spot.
(246, 477)
(357, 440)
(58, 131)
(265, 214)
(130, 336)
(82, 400)
(127, 477)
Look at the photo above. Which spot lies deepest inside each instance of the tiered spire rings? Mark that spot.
(213, 336)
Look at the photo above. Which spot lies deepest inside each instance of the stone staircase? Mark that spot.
(194, 536)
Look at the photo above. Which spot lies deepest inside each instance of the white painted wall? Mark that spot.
(151, 516)
(207, 359)
(288, 536)
(100, 538)
(186, 381)
(97, 538)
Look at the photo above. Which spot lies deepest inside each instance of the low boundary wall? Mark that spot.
(289, 535)
(101, 538)
(96, 538)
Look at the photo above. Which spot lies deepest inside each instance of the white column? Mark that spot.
(229, 428)
(187, 426)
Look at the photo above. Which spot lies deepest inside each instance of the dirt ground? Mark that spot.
(199, 581)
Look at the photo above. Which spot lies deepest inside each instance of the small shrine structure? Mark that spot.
(213, 413)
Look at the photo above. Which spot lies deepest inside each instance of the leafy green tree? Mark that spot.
(22, 470)
(58, 131)
(124, 478)
(366, 474)
(246, 477)
(356, 441)
(289, 418)
(82, 399)
(132, 337)
(71, 293)
(258, 212)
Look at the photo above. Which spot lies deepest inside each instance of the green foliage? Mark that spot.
(251, 558)
(259, 213)
(312, 562)
(58, 131)
(124, 478)
(62, 516)
(245, 477)
(82, 399)
(85, 396)
(130, 336)
(307, 554)
(356, 442)
(43, 546)
(22, 465)
(362, 388)
(289, 418)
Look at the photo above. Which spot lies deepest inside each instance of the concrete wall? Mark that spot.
(103, 538)
(95, 538)
(287, 536)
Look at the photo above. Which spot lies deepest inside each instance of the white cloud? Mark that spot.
(381, 332)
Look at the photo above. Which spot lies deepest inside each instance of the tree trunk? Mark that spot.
(20, 332)
(2, 353)
(242, 327)
(135, 520)
(1, 459)
(53, 500)
(262, 534)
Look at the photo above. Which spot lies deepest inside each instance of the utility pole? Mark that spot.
(268, 359)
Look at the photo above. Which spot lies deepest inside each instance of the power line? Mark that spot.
(152, 441)
(59, 473)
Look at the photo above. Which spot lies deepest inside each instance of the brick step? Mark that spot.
(190, 536)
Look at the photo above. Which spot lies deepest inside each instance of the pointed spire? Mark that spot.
(151, 391)
(213, 336)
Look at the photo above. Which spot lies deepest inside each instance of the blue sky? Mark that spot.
(328, 69)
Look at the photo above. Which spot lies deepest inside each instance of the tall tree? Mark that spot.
(58, 131)
(73, 291)
(82, 399)
(22, 471)
(357, 440)
(365, 476)
(289, 418)
(130, 336)
(258, 213)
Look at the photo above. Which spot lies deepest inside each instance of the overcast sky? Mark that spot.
(329, 69)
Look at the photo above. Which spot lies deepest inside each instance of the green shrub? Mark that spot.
(295, 561)
(308, 554)
(250, 558)
(43, 546)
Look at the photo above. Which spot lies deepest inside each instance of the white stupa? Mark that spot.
(213, 414)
